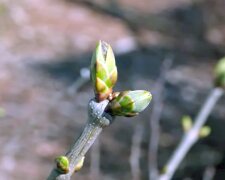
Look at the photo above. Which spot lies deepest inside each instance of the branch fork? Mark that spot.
(101, 110)
(97, 120)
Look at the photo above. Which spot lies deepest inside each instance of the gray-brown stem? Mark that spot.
(98, 119)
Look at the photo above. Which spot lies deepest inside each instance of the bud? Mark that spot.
(220, 73)
(62, 164)
(103, 71)
(79, 165)
(2, 112)
(186, 123)
(204, 131)
(130, 103)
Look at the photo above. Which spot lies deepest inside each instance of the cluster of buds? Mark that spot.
(62, 164)
(187, 124)
(104, 77)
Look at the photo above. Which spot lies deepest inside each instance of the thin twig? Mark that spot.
(136, 153)
(209, 173)
(83, 79)
(98, 119)
(154, 120)
(192, 135)
(95, 161)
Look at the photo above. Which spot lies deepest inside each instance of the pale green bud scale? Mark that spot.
(130, 103)
(103, 71)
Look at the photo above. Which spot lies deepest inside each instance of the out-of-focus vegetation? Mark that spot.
(45, 43)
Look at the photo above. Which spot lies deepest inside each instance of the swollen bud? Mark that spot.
(62, 164)
(79, 165)
(186, 123)
(220, 73)
(103, 71)
(204, 131)
(130, 103)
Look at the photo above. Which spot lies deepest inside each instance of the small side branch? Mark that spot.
(136, 153)
(209, 173)
(98, 119)
(82, 80)
(192, 135)
(154, 120)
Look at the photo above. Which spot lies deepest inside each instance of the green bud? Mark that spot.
(220, 73)
(103, 71)
(130, 103)
(204, 131)
(186, 123)
(163, 170)
(62, 164)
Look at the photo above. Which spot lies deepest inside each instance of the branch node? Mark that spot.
(97, 113)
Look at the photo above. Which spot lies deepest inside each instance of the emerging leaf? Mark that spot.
(103, 71)
(130, 103)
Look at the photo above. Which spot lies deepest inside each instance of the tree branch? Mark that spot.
(209, 173)
(192, 135)
(154, 120)
(98, 119)
(136, 152)
(95, 161)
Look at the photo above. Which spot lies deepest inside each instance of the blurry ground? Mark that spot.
(43, 45)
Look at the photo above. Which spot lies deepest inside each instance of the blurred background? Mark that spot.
(44, 46)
